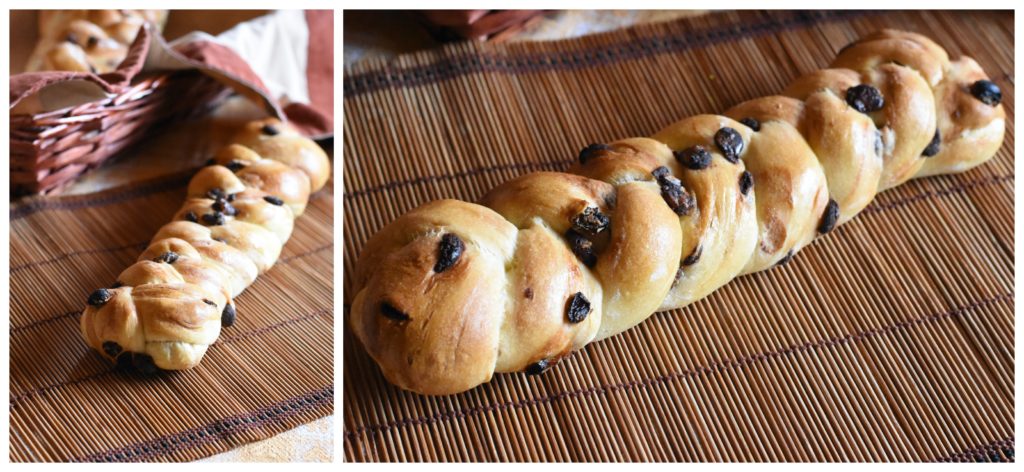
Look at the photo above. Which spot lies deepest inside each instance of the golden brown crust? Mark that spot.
(721, 235)
(642, 224)
(442, 328)
(971, 130)
(872, 52)
(552, 197)
(907, 122)
(542, 279)
(267, 139)
(168, 307)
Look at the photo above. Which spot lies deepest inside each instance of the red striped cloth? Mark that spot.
(312, 112)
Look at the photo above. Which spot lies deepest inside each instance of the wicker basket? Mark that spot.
(50, 149)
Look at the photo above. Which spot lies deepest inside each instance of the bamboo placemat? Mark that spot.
(270, 372)
(890, 339)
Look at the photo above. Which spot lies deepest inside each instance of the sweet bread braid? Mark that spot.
(452, 292)
(167, 308)
(88, 40)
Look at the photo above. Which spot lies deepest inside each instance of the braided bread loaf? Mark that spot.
(452, 292)
(167, 308)
(88, 40)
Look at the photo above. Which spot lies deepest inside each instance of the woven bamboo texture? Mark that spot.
(270, 372)
(889, 340)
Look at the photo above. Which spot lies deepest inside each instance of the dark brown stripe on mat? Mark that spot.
(876, 207)
(362, 83)
(996, 451)
(15, 400)
(257, 332)
(286, 260)
(219, 429)
(128, 192)
(307, 253)
(647, 382)
(18, 268)
(15, 330)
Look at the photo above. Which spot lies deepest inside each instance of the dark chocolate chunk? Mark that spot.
(528, 293)
(582, 247)
(270, 130)
(112, 349)
(830, 217)
(92, 42)
(730, 142)
(694, 256)
(577, 308)
(191, 216)
(124, 361)
(143, 363)
(751, 123)
(695, 157)
(865, 98)
(672, 191)
(100, 297)
(448, 252)
(222, 205)
(538, 367)
(235, 166)
(227, 317)
(273, 200)
(390, 311)
(213, 219)
(231, 197)
(591, 151)
(209, 302)
(987, 91)
(168, 257)
(933, 147)
(785, 260)
(590, 222)
(746, 183)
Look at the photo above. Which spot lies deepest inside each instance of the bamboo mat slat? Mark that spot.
(889, 340)
(270, 372)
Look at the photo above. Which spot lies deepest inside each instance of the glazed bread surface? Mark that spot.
(164, 311)
(452, 292)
